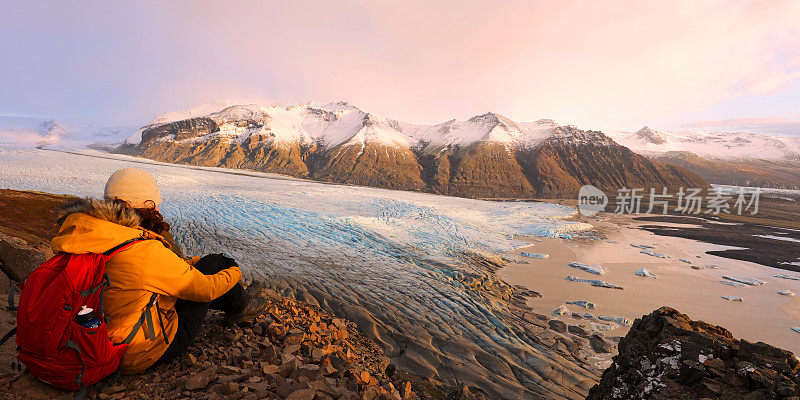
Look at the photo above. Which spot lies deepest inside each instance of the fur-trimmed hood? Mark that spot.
(95, 226)
(104, 209)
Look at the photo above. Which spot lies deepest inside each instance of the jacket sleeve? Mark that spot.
(165, 273)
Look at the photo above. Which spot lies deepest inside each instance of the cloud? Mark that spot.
(596, 64)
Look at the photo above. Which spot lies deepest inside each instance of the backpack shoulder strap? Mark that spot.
(122, 246)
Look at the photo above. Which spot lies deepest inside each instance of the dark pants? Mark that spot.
(191, 314)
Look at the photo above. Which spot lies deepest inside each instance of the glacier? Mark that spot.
(392, 261)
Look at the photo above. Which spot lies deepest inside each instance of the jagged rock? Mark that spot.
(666, 355)
(302, 394)
(558, 326)
(198, 381)
(578, 330)
(599, 344)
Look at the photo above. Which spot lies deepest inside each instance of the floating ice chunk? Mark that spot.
(788, 276)
(603, 327)
(656, 255)
(641, 246)
(646, 273)
(588, 316)
(613, 318)
(797, 329)
(594, 269)
(584, 304)
(746, 281)
(534, 255)
(622, 321)
(731, 283)
(685, 260)
(732, 298)
(786, 292)
(612, 241)
(710, 266)
(594, 282)
(560, 311)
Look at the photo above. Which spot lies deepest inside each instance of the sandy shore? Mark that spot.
(764, 315)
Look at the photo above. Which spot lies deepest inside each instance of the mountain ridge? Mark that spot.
(726, 158)
(488, 155)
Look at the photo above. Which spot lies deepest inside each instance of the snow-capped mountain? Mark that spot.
(717, 145)
(336, 123)
(740, 158)
(487, 155)
(49, 133)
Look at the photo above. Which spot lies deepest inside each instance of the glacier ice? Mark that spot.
(622, 321)
(652, 254)
(788, 276)
(732, 283)
(534, 255)
(584, 304)
(593, 269)
(593, 282)
(613, 318)
(746, 281)
(786, 292)
(560, 311)
(709, 266)
(646, 273)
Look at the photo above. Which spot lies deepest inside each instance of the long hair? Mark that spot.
(152, 220)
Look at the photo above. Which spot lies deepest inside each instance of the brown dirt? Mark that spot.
(30, 215)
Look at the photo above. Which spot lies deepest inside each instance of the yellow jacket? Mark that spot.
(144, 268)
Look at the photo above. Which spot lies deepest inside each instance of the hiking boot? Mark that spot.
(255, 289)
(254, 308)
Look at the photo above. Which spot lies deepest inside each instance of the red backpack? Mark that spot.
(51, 344)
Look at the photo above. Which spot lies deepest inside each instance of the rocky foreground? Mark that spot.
(666, 355)
(295, 352)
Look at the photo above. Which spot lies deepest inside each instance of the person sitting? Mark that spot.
(148, 272)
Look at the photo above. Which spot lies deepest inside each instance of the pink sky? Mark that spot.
(600, 65)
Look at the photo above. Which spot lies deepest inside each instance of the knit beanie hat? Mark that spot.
(134, 186)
